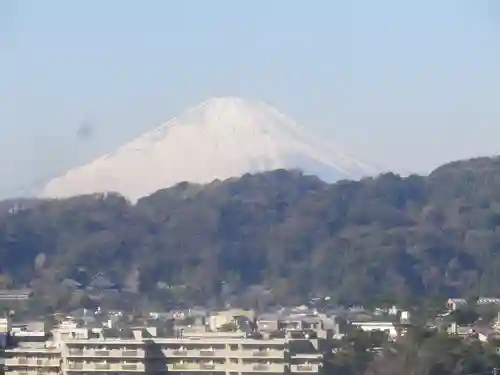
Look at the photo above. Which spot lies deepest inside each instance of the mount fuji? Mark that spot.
(218, 139)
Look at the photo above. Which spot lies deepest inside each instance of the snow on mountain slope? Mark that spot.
(220, 138)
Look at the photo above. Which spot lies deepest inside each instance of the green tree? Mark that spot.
(382, 240)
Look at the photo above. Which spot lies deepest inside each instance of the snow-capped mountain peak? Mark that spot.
(219, 138)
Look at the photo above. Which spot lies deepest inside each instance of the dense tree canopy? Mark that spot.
(289, 234)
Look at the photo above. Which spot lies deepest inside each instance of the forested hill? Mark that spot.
(286, 232)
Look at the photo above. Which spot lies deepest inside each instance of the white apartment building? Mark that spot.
(82, 352)
(32, 361)
(33, 353)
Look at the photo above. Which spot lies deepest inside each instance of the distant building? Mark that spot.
(387, 327)
(455, 303)
(5, 325)
(221, 318)
(405, 317)
(15, 294)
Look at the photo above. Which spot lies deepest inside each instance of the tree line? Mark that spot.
(275, 237)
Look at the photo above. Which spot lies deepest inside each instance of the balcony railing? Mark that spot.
(114, 367)
(219, 353)
(260, 367)
(102, 366)
(180, 366)
(105, 353)
(197, 366)
(264, 353)
(207, 366)
(305, 368)
(129, 367)
(31, 362)
(47, 362)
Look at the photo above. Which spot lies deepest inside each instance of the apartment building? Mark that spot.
(30, 352)
(74, 350)
(32, 361)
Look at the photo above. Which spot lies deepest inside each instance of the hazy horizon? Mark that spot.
(407, 86)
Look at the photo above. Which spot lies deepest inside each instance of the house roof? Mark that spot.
(101, 281)
(70, 283)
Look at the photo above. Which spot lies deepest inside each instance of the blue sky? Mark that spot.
(405, 84)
